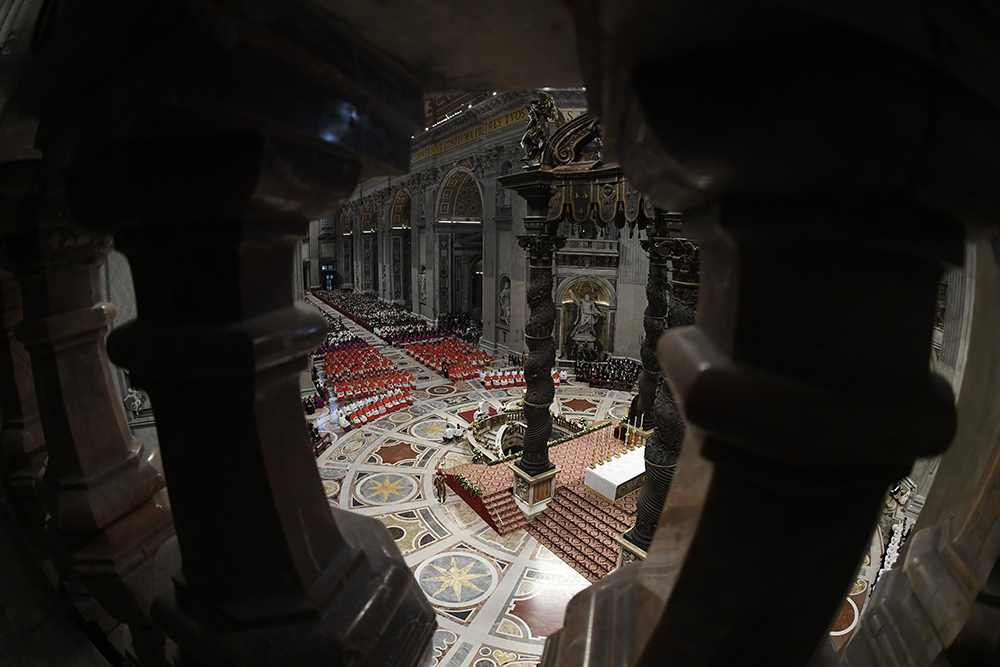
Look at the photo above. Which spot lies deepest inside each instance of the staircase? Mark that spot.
(505, 513)
(491, 441)
(581, 529)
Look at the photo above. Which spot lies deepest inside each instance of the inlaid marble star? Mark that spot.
(456, 577)
(433, 429)
(385, 487)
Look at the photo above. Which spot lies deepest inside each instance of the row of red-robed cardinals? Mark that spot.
(459, 359)
(356, 362)
(501, 379)
(360, 412)
(365, 388)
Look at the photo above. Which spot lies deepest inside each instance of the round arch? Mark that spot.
(610, 295)
(400, 216)
(460, 197)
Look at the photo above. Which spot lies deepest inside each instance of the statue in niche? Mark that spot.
(586, 321)
(505, 301)
(422, 284)
(586, 326)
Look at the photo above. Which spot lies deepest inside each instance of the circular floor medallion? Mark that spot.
(400, 417)
(430, 429)
(386, 488)
(847, 619)
(457, 578)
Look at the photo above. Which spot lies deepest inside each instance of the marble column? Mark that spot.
(315, 257)
(298, 278)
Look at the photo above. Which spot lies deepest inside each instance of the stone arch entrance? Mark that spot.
(399, 223)
(459, 231)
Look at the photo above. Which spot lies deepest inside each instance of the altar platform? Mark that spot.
(619, 476)
(579, 526)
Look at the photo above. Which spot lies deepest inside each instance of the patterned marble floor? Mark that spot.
(497, 598)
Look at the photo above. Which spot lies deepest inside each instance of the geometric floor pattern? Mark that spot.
(497, 597)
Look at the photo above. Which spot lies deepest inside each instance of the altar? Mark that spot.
(617, 477)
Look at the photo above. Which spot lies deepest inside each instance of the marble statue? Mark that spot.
(586, 327)
(505, 302)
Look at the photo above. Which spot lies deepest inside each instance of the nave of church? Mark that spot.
(539, 178)
(496, 596)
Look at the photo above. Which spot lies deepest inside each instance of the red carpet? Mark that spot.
(578, 525)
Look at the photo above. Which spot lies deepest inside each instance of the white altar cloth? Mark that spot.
(607, 478)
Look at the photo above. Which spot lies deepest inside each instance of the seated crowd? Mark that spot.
(355, 375)
(386, 320)
(449, 357)
(353, 414)
(462, 326)
(615, 373)
(401, 334)
(578, 352)
(494, 379)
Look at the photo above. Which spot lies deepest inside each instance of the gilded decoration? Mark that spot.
(401, 208)
(601, 195)
(368, 217)
(460, 198)
(536, 138)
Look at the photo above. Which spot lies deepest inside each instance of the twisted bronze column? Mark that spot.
(654, 319)
(541, 242)
(679, 257)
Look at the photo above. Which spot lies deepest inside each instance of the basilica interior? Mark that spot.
(561, 334)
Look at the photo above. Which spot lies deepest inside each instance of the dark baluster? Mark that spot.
(252, 120)
(22, 443)
(827, 165)
(100, 486)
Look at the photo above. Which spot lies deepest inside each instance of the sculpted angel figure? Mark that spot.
(541, 112)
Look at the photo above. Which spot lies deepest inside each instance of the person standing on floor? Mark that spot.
(440, 486)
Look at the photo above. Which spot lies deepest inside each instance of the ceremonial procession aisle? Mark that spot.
(497, 597)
